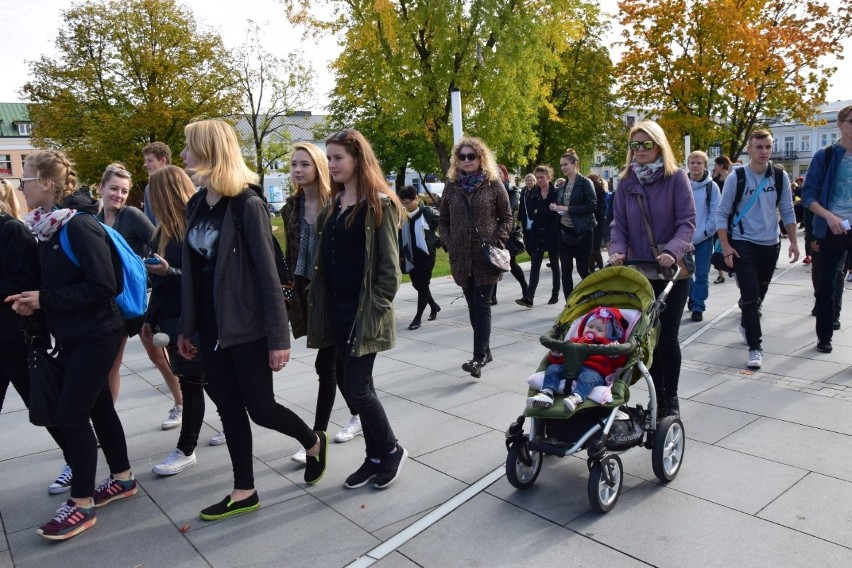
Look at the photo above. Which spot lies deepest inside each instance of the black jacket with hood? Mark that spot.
(80, 302)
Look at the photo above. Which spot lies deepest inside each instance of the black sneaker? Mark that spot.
(315, 465)
(527, 303)
(474, 367)
(227, 508)
(488, 358)
(824, 346)
(363, 476)
(554, 299)
(836, 325)
(389, 468)
(697, 316)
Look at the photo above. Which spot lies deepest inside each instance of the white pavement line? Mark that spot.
(400, 538)
(706, 327)
(424, 523)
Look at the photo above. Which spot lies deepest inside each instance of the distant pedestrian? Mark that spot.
(721, 169)
(418, 236)
(601, 200)
(514, 201)
(576, 204)
(543, 235)
(706, 196)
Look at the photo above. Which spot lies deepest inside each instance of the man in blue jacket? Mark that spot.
(828, 194)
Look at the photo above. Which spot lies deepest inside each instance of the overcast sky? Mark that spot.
(29, 29)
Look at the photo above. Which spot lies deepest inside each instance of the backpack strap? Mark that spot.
(779, 181)
(740, 173)
(707, 191)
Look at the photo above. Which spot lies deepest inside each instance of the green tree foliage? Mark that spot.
(127, 73)
(401, 58)
(717, 69)
(272, 89)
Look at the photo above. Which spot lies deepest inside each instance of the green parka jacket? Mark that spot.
(375, 323)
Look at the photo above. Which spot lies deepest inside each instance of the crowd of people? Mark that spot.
(218, 323)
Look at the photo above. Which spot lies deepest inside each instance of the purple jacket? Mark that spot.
(671, 209)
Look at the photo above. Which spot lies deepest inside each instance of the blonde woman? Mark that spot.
(350, 301)
(311, 194)
(652, 174)
(79, 304)
(231, 296)
(474, 209)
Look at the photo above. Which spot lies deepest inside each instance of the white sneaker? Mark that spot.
(621, 415)
(541, 400)
(742, 332)
(218, 439)
(62, 483)
(755, 358)
(571, 402)
(175, 418)
(174, 463)
(301, 456)
(350, 431)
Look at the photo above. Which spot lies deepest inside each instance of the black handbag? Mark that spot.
(46, 377)
(180, 366)
(568, 236)
(515, 244)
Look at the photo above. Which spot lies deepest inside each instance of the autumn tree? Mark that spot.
(272, 89)
(127, 73)
(401, 58)
(717, 70)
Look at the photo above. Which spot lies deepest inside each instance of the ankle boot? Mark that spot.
(672, 406)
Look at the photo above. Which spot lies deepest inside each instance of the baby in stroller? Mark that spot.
(601, 326)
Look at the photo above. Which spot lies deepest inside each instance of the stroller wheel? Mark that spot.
(605, 481)
(522, 465)
(669, 445)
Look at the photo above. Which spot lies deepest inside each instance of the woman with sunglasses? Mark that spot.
(312, 193)
(543, 236)
(350, 301)
(474, 211)
(19, 270)
(79, 305)
(231, 297)
(652, 181)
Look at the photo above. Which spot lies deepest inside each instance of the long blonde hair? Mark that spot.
(486, 160)
(321, 165)
(8, 199)
(53, 167)
(220, 165)
(658, 135)
(372, 185)
(169, 188)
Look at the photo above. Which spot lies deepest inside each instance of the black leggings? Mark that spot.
(330, 376)
(420, 276)
(567, 253)
(192, 388)
(14, 370)
(240, 384)
(86, 395)
(478, 300)
(665, 370)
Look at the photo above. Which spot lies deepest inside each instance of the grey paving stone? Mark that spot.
(510, 537)
(687, 531)
(468, 460)
(783, 404)
(433, 389)
(817, 505)
(497, 411)
(692, 383)
(800, 446)
(6, 559)
(395, 560)
(709, 423)
(12, 402)
(132, 532)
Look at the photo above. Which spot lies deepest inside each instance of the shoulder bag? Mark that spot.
(493, 257)
(686, 263)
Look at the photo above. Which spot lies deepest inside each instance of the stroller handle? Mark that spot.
(675, 269)
(611, 349)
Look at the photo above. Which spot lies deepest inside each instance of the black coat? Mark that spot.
(544, 233)
(582, 204)
(19, 271)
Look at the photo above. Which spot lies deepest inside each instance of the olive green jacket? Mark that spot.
(375, 323)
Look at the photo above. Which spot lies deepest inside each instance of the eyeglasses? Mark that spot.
(468, 157)
(647, 144)
(25, 180)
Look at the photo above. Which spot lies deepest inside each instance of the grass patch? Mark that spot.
(442, 260)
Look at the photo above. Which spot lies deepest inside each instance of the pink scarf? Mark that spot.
(44, 223)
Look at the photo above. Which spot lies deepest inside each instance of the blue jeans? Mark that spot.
(700, 282)
(586, 381)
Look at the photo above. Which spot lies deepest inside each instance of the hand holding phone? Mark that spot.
(152, 260)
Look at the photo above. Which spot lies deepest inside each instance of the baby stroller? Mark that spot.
(592, 426)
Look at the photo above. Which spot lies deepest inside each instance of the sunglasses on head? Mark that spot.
(647, 144)
(468, 157)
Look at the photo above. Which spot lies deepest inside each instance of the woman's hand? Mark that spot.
(616, 259)
(146, 333)
(666, 260)
(24, 303)
(278, 358)
(160, 269)
(186, 349)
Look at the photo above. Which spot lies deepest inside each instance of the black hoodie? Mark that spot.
(79, 302)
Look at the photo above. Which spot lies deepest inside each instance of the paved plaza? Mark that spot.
(766, 478)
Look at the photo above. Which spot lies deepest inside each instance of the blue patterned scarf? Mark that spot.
(644, 172)
(470, 182)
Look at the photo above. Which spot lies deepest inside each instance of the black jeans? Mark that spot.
(478, 300)
(192, 389)
(665, 370)
(536, 258)
(330, 377)
(86, 395)
(755, 266)
(567, 253)
(240, 384)
(358, 388)
(14, 370)
(833, 250)
(596, 258)
(518, 273)
(420, 276)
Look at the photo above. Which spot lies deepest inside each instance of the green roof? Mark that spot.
(10, 115)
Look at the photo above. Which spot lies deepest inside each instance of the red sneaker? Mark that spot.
(112, 489)
(70, 520)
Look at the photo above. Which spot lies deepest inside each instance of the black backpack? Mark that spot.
(773, 169)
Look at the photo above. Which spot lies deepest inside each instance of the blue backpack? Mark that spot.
(132, 301)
